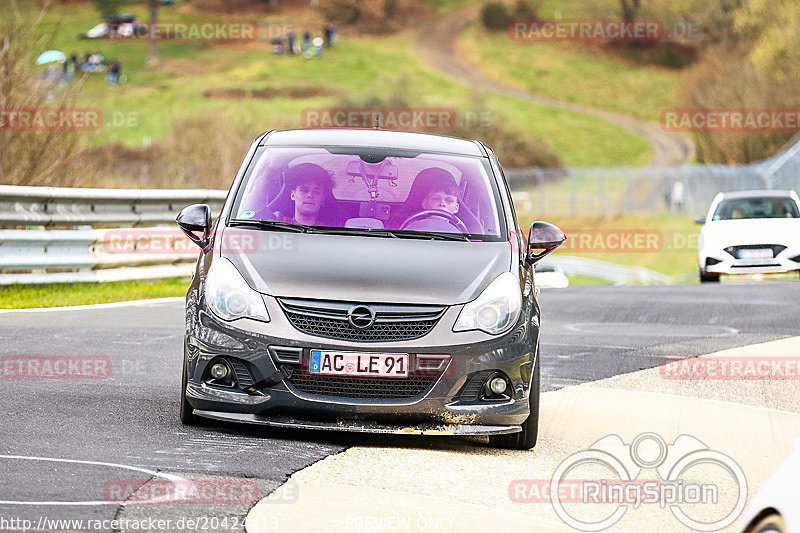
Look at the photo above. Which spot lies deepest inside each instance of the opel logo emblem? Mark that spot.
(361, 316)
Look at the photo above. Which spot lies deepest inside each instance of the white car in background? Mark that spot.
(550, 277)
(749, 232)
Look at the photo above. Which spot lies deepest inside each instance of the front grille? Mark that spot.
(776, 248)
(362, 388)
(392, 322)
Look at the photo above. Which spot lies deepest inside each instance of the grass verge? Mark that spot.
(64, 294)
(663, 243)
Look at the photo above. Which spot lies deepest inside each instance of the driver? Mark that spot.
(309, 185)
(433, 189)
(779, 209)
(443, 196)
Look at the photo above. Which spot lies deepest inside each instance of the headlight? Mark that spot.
(496, 310)
(228, 295)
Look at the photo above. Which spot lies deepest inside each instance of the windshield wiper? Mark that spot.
(395, 233)
(415, 234)
(375, 232)
(271, 224)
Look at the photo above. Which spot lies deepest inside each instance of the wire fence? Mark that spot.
(689, 189)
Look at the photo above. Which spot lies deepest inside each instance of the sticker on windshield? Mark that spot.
(247, 214)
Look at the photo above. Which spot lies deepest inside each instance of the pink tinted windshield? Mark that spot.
(427, 192)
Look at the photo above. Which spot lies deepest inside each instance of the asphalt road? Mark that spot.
(125, 427)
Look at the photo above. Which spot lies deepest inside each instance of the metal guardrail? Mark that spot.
(611, 272)
(40, 256)
(26, 256)
(65, 207)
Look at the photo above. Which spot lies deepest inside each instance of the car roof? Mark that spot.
(372, 138)
(768, 193)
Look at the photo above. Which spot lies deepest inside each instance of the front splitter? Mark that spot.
(358, 426)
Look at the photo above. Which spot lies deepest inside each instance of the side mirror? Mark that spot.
(545, 237)
(197, 218)
(700, 220)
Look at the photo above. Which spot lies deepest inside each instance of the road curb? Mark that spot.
(366, 483)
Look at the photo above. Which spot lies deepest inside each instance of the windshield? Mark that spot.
(756, 207)
(368, 190)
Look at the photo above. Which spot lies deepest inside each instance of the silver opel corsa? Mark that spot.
(370, 281)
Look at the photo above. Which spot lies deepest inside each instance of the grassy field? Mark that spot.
(666, 243)
(573, 73)
(583, 281)
(63, 294)
(157, 96)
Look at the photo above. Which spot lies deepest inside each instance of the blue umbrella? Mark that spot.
(51, 56)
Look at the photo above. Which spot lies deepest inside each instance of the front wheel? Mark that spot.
(525, 439)
(705, 277)
(187, 411)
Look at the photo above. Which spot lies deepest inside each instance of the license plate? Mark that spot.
(384, 365)
(755, 253)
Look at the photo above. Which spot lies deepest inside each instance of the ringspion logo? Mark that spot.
(682, 485)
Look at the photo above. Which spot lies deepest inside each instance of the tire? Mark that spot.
(187, 411)
(525, 439)
(705, 278)
(772, 523)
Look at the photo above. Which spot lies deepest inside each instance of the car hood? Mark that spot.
(725, 233)
(368, 269)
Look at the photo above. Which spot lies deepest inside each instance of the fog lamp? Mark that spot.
(497, 385)
(219, 371)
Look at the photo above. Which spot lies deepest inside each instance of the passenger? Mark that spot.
(737, 212)
(310, 187)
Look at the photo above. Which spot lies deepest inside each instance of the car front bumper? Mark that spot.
(441, 409)
(783, 262)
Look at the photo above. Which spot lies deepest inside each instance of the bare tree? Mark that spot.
(31, 155)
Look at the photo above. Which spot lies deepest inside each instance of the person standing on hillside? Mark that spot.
(678, 196)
